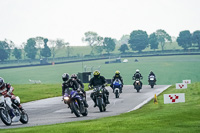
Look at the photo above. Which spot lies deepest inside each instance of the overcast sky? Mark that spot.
(70, 19)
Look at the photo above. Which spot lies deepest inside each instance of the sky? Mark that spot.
(70, 19)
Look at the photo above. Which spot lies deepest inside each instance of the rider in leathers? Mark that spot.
(98, 80)
(70, 83)
(7, 91)
(137, 75)
(117, 76)
(151, 73)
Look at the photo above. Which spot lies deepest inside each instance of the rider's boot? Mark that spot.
(107, 101)
(85, 103)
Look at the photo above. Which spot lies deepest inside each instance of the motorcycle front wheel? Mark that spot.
(5, 117)
(75, 109)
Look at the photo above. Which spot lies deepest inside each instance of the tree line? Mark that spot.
(138, 40)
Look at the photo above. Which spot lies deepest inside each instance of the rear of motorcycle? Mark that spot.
(152, 81)
(138, 85)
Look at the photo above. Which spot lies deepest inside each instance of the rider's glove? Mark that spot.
(89, 87)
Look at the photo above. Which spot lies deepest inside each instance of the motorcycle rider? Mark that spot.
(81, 86)
(70, 83)
(7, 91)
(152, 74)
(137, 75)
(98, 80)
(117, 76)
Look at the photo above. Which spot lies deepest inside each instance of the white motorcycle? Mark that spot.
(9, 112)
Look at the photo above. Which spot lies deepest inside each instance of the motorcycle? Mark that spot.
(9, 112)
(99, 94)
(116, 86)
(75, 101)
(152, 81)
(137, 85)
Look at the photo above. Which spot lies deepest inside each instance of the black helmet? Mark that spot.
(74, 76)
(1, 82)
(65, 76)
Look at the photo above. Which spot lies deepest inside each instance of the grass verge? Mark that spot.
(151, 118)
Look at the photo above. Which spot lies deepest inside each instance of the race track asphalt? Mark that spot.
(53, 110)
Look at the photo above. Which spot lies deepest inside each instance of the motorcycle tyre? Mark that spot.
(8, 123)
(22, 120)
(74, 109)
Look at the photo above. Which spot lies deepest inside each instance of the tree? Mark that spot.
(98, 47)
(153, 41)
(17, 53)
(92, 38)
(185, 39)
(162, 37)
(138, 40)
(60, 43)
(39, 43)
(124, 39)
(109, 44)
(4, 50)
(123, 48)
(30, 48)
(46, 51)
(196, 38)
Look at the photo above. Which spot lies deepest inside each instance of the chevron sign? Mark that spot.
(187, 81)
(181, 85)
(174, 98)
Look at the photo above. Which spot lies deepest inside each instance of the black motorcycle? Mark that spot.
(9, 112)
(137, 85)
(99, 96)
(152, 81)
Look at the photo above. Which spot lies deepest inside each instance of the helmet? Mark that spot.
(65, 76)
(117, 73)
(137, 70)
(96, 73)
(2, 84)
(74, 76)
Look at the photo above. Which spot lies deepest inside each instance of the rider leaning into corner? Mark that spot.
(7, 91)
(117, 76)
(95, 81)
(72, 83)
(137, 75)
(152, 74)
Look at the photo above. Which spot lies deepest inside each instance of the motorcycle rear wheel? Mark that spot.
(24, 118)
(5, 117)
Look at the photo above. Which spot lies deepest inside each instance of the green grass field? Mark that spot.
(168, 69)
(151, 118)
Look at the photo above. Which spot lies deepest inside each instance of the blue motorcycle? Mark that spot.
(75, 101)
(117, 85)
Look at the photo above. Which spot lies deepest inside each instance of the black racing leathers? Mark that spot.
(137, 75)
(69, 84)
(95, 81)
(72, 83)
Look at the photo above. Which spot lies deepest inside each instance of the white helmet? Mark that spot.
(137, 70)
